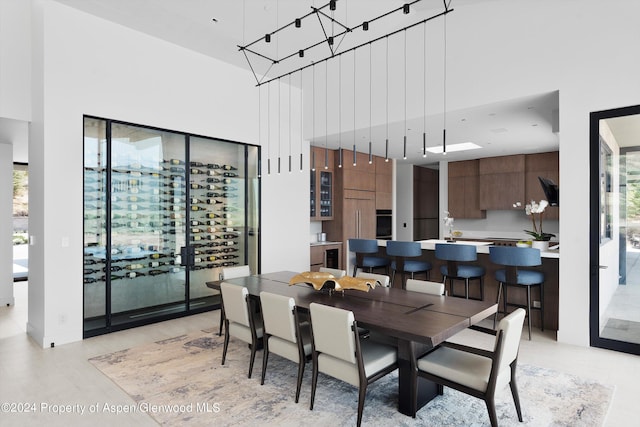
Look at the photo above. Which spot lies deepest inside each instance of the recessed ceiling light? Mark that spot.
(454, 147)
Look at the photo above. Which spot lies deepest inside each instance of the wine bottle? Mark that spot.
(196, 230)
(134, 274)
(230, 174)
(90, 280)
(229, 168)
(228, 250)
(197, 208)
(213, 166)
(213, 201)
(214, 194)
(229, 236)
(134, 266)
(229, 256)
(229, 195)
(176, 162)
(212, 172)
(212, 215)
(196, 171)
(156, 272)
(176, 169)
(214, 180)
(196, 164)
(195, 200)
(155, 256)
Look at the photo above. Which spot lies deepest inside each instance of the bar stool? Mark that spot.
(362, 247)
(402, 250)
(513, 258)
(455, 253)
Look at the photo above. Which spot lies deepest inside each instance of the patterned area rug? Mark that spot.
(180, 380)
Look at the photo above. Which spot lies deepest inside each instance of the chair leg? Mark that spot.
(393, 276)
(362, 392)
(529, 310)
(355, 269)
(314, 382)
(495, 316)
(265, 358)
(466, 288)
(542, 307)
(516, 398)
(226, 340)
(491, 408)
(300, 375)
(481, 288)
(222, 317)
(254, 346)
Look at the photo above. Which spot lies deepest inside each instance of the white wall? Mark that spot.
(403, 211)
(502, 49)
(15, 59)
(6, 224)
(86, 65)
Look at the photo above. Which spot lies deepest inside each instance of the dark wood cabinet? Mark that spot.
(321, 185)
(501, 181)
(464, 190)
(384, 184)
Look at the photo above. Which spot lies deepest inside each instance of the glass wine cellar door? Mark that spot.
(164, 212)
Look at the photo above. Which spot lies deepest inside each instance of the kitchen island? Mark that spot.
(550, 268)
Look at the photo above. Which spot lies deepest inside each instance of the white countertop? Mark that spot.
(324, 243)
(482, 247)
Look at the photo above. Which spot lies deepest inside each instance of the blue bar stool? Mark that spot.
(455, 253)
(402, 250)
(513, 258)
(362, 247)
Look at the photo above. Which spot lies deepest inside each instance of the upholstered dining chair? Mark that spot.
(240, 320)
(425, 286)
(475, 371)
(364, 250)
(382, 279)
(231, 273)
(513, 258)
(284, 335)
(336, 272)
(400, 251)
(339, 352)
(457, 267)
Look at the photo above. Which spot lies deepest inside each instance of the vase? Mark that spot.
(543, 245)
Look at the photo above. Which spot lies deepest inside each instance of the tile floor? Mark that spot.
(62, 379)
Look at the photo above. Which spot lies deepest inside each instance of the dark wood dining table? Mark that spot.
(419, 322)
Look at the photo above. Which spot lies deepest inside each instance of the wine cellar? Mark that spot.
(163, 213)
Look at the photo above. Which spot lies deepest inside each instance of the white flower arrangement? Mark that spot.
(532, 209)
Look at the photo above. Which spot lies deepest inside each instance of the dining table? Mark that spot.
(418, 322)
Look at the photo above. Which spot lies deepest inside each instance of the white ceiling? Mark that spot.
(217, 28)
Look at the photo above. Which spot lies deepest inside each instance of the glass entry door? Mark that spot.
(164, 213)
(615, 229)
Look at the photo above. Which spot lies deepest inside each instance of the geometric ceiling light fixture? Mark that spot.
(329, 39)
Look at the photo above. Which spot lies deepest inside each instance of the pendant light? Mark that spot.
(289, 123)
(370, 144)
(279, 134)
(404, 152)
(326, 114)
(340, 111)
(354, 108)
(444, 90)
(313, 116)
(259, 128)
(269, 129)
(424, 95)
(386, 142)
(301, 132)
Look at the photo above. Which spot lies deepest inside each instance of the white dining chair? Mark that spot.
(425, 286)
(337, 273)
(231, 273)
(382, 279)
(474, 371)
(339, 352)
(240, 320)
(284, 335)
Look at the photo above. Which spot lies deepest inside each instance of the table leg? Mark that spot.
(426, 390)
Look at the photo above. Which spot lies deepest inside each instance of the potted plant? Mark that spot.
(540, 238)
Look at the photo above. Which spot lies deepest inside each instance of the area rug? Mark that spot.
(181, 381)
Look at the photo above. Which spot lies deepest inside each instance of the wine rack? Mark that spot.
(164, 212)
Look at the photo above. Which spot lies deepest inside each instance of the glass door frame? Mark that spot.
(596, 227)
(248, 178)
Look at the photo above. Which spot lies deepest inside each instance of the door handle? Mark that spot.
(603, 267)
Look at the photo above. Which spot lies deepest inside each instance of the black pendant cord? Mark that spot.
(444, 90)
(269, 129)
(326, 115)
(259, 128)
(354, 108)
(301, 124)
(404, 152)
(386, 142)
(424, 95)
(370, 102)
(340, 112)
(289, 123)
(279, 122)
